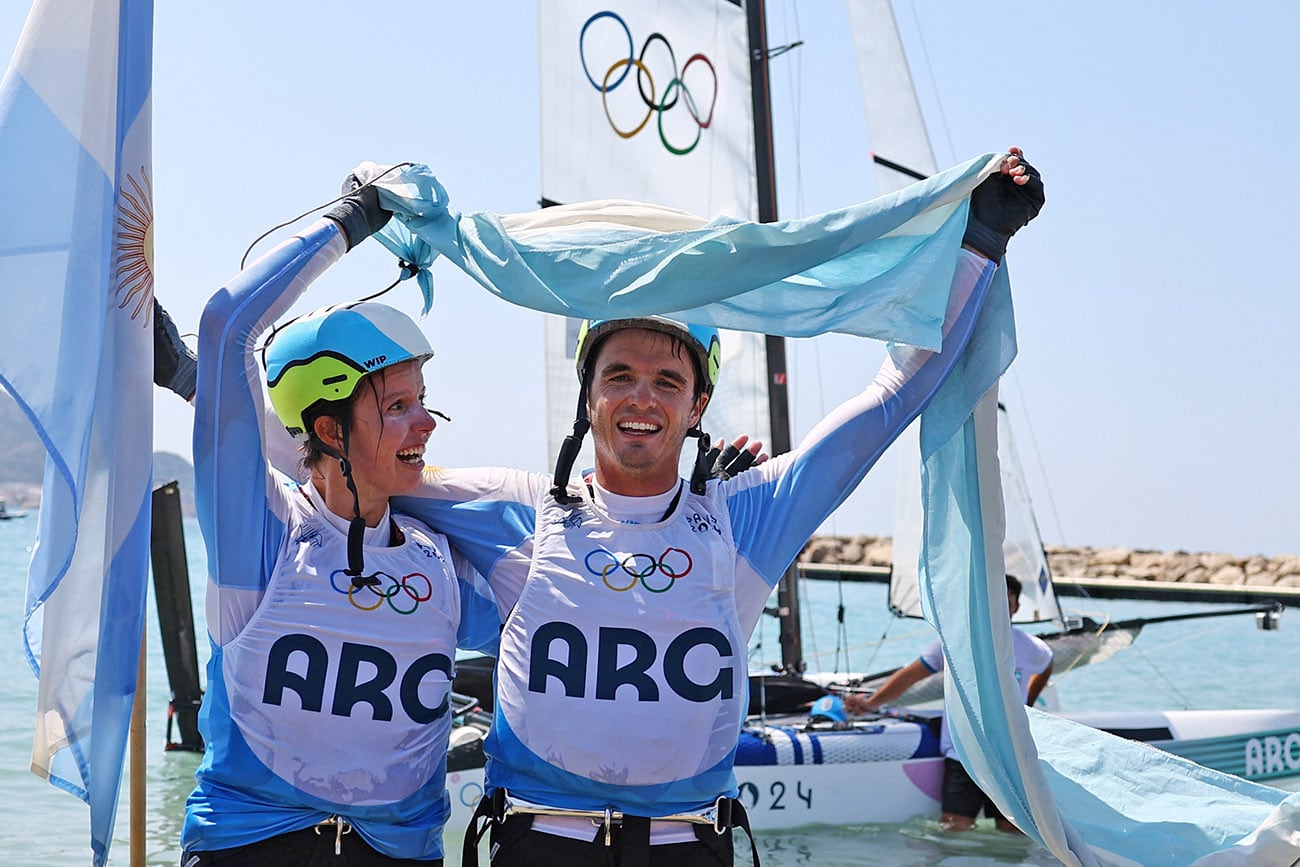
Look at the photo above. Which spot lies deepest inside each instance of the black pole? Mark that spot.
(764, 159)
(902, 170)
(778, 396)
(1269, 607)
(171, 581)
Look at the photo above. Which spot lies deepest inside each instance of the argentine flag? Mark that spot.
(76, 352)
(881, 269)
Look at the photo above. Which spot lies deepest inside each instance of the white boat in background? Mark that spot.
(793, 772)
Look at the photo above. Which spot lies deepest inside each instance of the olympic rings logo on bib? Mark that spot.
(403, 595)
(675, 92)
(655, 574)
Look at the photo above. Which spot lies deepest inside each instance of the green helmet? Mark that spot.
(702, 340)
(323, 355)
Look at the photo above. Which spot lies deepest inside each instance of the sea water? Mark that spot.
(1214, 663)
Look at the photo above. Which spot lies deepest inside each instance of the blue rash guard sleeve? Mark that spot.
(489, 514)
(243, 524)
(776, 507)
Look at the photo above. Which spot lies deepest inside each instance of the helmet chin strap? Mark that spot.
(569, 453)
(357, 525)
(703, 469)
(573, 444)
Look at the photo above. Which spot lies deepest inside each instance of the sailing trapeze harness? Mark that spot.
(722, 816)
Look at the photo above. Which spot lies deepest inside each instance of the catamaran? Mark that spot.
(794, 770)
(790, 771)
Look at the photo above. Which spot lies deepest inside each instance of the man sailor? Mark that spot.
(628, 598)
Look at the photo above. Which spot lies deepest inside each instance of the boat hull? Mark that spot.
(1258, 745)
(890, 771)
(779, 797)
(886, 770)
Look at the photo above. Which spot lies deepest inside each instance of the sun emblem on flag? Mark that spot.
(133, 246)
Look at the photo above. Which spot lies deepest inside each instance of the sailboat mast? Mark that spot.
(778, 397)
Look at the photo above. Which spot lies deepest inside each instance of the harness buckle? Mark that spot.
(722, 815)
(341, 827)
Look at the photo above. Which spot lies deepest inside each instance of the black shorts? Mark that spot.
(516, 844)
(961, 795)
(303, 848)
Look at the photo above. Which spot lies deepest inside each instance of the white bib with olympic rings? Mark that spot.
(331, 673)
(622, 677)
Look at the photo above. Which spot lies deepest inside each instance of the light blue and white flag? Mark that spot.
(76, 352)
(877, 269)
(1089, 797)
(882, 269)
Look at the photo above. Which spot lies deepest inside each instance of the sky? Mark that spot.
(1154, 397)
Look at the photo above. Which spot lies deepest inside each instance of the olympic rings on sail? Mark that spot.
(403, 596)
(676, 90)
(672, 564)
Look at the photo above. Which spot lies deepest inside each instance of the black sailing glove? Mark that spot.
(360, 214)
(728, 461)
(998, 207)
(174, 364)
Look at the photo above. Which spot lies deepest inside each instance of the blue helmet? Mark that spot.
(323, 355)
(702, 340)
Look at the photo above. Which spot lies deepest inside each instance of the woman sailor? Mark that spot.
(333, 619)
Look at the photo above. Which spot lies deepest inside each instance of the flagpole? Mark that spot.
(137, 748)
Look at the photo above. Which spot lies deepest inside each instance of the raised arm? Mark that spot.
(239, 498)
(777, 506)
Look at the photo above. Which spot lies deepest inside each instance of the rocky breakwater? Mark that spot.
(1095, 564)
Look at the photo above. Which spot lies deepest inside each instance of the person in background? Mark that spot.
(962, 797)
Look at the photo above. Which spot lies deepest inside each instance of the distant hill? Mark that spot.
(22, 462)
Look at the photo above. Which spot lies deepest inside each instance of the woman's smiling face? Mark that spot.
(390, 428)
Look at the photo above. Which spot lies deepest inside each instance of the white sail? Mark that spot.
(895, 124)
(898, 134)
(614, 144)
(1022, 548)
(626, 87)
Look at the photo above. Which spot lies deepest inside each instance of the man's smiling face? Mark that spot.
(642, 401)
